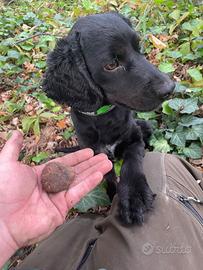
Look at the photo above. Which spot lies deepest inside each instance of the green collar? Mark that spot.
(104, 109)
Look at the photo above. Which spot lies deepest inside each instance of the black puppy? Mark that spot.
(97, 64)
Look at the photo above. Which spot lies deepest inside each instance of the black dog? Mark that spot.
(98, 64)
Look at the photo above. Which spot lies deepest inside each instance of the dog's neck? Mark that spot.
(102, 110)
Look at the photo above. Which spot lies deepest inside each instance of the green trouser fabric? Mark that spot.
(171, 237)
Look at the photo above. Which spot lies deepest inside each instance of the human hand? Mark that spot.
(27, 213)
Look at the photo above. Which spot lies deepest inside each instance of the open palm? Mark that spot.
(28, 213)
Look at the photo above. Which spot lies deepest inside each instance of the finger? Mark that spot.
(103, 167)
(12, 148)
(69, 159)
(89, 163)
(74, 194)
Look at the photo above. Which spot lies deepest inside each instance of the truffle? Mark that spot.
(56, 177)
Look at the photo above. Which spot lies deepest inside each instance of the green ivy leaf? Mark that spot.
(187, 26)
(174, 54)
(195, 74)
(166, 109)
(160, 145)
(166, 67)
(13, 54)
(178, 138)
(191, 134)
(146, 115)
(185, 48)
(97, 197)
(40, 157)
(3, 58)
(193, 151)
(198, 129)
(188, 105)
(27, 47)
(175, 14)
(179, 88)
(58, 17)
(195, 26)
(29, 16)
(40, 64)
(190, 120)
(168, 134)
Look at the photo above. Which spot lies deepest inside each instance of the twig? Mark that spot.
(35, 35)
(10, 2)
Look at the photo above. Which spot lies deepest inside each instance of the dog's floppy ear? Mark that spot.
(67, 78)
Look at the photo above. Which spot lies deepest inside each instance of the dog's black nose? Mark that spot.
(166, 89)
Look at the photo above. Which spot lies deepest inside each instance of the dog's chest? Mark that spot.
(103, 133)
(109, 149)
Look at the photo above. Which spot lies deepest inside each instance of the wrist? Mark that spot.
(7, 245)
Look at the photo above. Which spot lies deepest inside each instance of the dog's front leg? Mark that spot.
(135, 195)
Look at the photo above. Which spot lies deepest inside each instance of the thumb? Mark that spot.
(11, 149)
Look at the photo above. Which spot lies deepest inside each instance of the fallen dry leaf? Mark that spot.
(28, 108)
(156, 42)
(29, 68)
(61, 124)
(165, 38)
(152, 57)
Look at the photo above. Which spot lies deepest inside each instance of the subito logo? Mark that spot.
(147, 248)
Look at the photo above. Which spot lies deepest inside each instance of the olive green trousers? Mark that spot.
(171, 237)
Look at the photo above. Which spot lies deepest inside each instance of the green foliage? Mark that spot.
(117, 167)
(97, 197)
(147, 115)
(68, 133)
(195, 74)
(166, 67)
(188, 105)
(33, 122)
(48, 103)
(178, 127)
(159, 143)
(40, 157)
(177, 130)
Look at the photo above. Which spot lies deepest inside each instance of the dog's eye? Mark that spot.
(112, 66)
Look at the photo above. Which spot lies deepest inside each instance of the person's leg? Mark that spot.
(65, 248)
(170, 238)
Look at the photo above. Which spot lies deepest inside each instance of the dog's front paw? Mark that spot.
(134, 202)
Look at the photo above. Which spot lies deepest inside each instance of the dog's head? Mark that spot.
(99, 63)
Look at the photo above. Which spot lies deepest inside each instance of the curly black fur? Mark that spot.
(77, 76)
